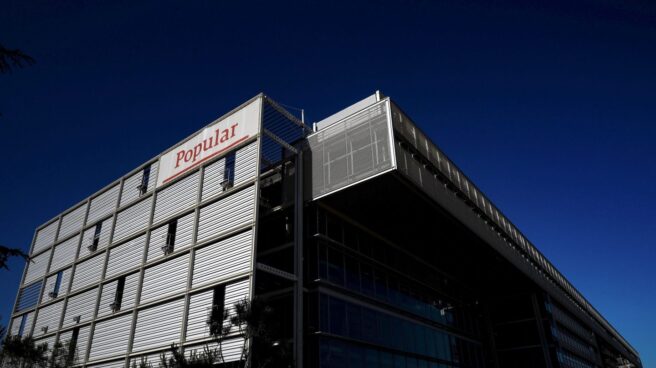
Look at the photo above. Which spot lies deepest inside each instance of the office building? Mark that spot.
(367, 245)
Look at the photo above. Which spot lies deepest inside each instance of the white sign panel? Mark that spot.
(212, 141)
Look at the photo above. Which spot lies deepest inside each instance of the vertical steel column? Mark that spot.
(298, 260)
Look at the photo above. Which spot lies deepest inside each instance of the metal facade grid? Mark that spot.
(98, 286)
(491, 215)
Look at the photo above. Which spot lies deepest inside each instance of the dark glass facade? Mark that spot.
(385, 255)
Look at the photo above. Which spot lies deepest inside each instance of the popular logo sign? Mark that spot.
(212, 141)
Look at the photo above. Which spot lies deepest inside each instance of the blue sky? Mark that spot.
(549, 107)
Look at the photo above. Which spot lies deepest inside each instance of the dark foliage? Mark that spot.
(20, 352)
(11, 59)
(6, 252)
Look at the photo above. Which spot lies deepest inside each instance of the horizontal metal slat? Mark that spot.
(45, 237)
(103, 204)
(64, 253)
(224, 259)
(165, 279)
(72, 222)
(110, 337)
(48, 318)
(159, 326)
(126, 256)
(226, 214)
(132, 219)
(88, 272)
(82, 306)
(176, 198)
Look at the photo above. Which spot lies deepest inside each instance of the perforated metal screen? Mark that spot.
(352, 150)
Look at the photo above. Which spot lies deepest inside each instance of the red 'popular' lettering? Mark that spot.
(220, 136)
(179, 157)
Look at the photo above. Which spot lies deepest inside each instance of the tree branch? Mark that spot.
(13, 59)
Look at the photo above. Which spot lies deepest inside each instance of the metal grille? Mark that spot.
(28, 296)
(356, 148)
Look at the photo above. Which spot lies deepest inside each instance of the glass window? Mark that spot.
(229, 171)
(369, 325)
(338, 354)
(367, 279)
(21, 328)
(385, 360)
(118, 296)
(399, 361)
(355, 356)
(371, 358)
(218, 306)
(145, 177)
(380, 281)
(72, 344)
(354, 321)
(96, 237)
(337, 317)
(58, 281)
(323, 263)
(352, 273)
(324, 322)
(335, 267)
(170, 237)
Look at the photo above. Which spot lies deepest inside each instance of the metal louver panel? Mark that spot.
(130, 190)
(64, 253)
(235, 293)
(16, 322)
(152, 359)
(183, 237)
(158, 326)
(14, 329)
(50, 286)
(113, 364)
(45, 237)
(126, 256)
(36, 267)
(213, 176)
(80, 306)
(231, 349)
(47, 319)
(72, 222)
(200, 306)
(165, 279)
(246, 163)
(88, 272)
(49, 342)
(132, 219)
(28, 296)
(222, 260)
(226, 214)
(82, 341)
(103, 239)
(103, 204)
(109, 293)
(110, 337)
(176, 198)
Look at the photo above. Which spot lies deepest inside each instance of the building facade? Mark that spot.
(369, 247)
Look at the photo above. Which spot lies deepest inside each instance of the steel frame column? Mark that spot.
(298, 261)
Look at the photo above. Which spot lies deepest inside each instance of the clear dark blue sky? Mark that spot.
(549, 108)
